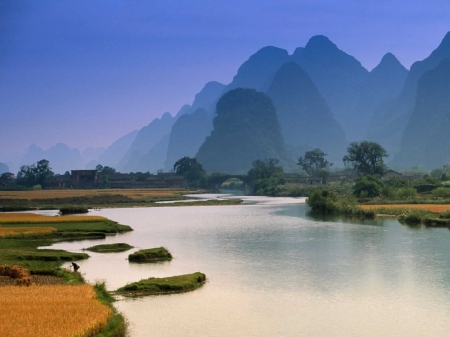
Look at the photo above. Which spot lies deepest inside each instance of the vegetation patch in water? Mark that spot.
(150, 255)
(110, 248)
(164, 285)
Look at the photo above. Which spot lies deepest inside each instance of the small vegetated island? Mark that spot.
(164, 285)
(110, 248)
(150, 255)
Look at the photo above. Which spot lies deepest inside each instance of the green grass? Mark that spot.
(110, 248)
(117, 325)
(24, 251)
(164, 285)
(150, 255)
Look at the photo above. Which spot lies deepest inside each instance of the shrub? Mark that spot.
(368, 186)
(407, 193)
(441, 192)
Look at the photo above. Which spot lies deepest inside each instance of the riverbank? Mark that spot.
(102, 198)
(24, 266)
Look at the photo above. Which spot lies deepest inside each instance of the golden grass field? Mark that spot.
(38, 218)
(51, 311)
(49, 194)
(435, 208)
(19, 231)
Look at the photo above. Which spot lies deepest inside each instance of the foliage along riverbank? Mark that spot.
(83, 199)
(33, 265)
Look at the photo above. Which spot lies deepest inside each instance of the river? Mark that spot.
(274, 271)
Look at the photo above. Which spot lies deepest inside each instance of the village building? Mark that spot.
(84, 178)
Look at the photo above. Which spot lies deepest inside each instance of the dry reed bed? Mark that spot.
(435, 208)
(22, 231)
(49, 194)
(17, 218)
(51, 311)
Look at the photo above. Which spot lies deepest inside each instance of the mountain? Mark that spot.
(338, 76)
(190, 130)
(207, 96)
(304, 116)
(60, 156)
(146, 139)
(3, 168)
(115, 152)
(246, 128)
(90, 154)
(258, 70)
(385, 82)
(154, 159)
(187, 135)
(393, 117)
(426, 140)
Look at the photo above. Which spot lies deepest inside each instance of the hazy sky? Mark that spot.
(85, 72)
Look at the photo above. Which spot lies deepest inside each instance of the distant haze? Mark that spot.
(85, 73)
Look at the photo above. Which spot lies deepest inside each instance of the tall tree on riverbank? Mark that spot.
(35, 174)
(366, 157)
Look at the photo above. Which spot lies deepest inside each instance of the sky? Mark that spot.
(86, 72)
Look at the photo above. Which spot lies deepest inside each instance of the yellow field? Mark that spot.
(429, 207)
(51, 311)
(38, 218)
(15, 231)
(132, 193)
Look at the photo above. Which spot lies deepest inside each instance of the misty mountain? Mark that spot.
(154, 159)
(246, 128)
(115, 152)
(259, 69)
(146, 139)
(90, 154)
(207, 96)
(338, 76)
(188, 134)
(385, 82)
(426, 140)
(190, 130)
(61, 157)
(3, 168)
(303, 114)
(391, 118)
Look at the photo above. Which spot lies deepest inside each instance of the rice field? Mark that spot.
(51, 311)
(50, 194)
(435, 208)
(22, 231)
(38, 218)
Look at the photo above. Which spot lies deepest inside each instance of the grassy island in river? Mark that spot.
(150, 255)
(164, 285)
(110, 248)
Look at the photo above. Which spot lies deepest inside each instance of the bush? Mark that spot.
(73, 210)
(441, 192)
(322, 202)
(407, 193)
(368, 186)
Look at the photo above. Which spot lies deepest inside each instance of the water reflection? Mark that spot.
(275, 271)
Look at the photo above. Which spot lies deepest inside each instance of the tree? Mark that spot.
(314, 162)
(368, 186)
(104, 172)
(35, 174)
(366, 158)
(265, 176)
(192, 171)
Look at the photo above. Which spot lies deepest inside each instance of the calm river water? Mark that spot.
(274, 271)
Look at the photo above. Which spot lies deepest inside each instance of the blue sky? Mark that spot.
(85, 72)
